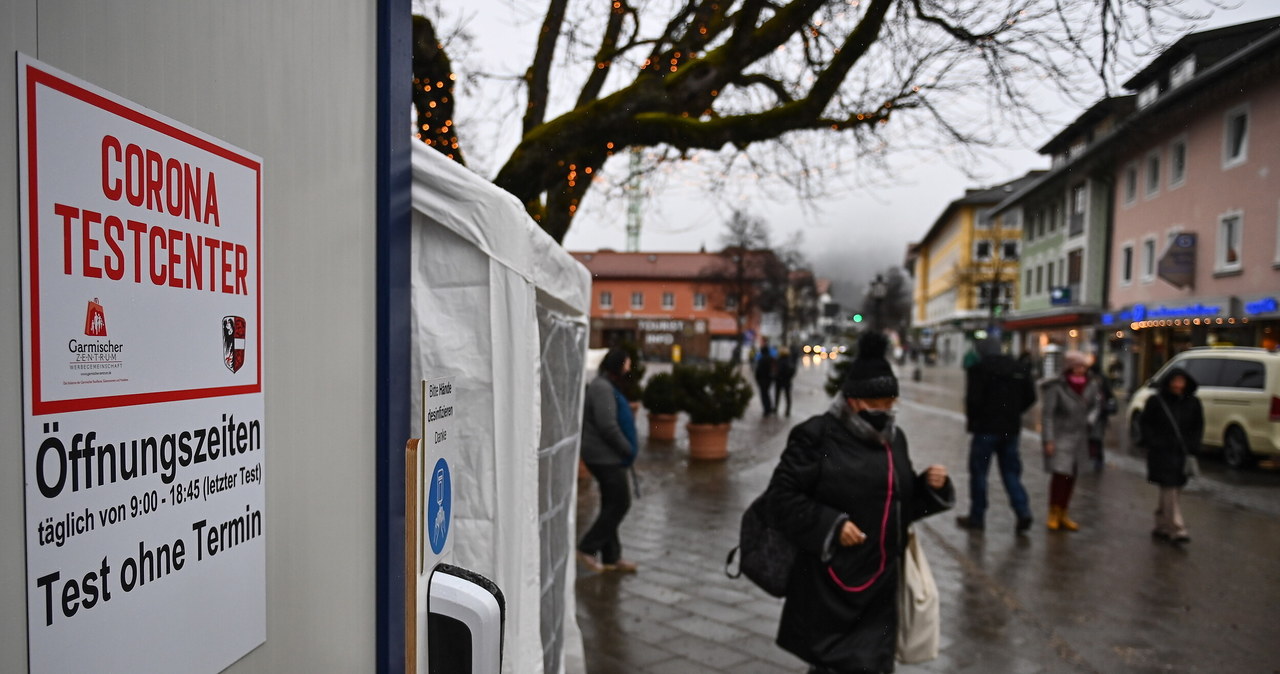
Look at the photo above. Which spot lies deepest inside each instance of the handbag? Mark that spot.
(766, 555)
(918, 615)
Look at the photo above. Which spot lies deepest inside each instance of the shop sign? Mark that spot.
(1178, 264)
(143, 412)
(1266, 305)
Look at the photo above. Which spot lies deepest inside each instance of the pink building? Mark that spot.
(1195, 246)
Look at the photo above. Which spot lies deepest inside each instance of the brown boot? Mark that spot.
(1055, 518)
(1068, 523)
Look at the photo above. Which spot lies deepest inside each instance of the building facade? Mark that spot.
(1196, 246)
(679, 306)
(966, 271)
(1066, 215)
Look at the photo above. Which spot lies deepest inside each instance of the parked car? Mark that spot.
(1240, 391)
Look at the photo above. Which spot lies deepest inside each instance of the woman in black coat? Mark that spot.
(1172, 424)
(844, 493)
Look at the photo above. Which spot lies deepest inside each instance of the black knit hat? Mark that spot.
(869, 375)
(612, 361)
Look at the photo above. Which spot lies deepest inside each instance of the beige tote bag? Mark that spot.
(918, 626)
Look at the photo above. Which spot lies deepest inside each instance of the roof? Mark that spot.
(988, 196)
(1118, 105)
(1209, 46)
(1135, 127)
(611, 264)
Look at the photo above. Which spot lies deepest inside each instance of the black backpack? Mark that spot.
(767, 556)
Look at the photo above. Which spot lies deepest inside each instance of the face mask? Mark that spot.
(878, 419)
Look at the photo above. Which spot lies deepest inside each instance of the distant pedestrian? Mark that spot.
(1098, 429)
(1172, 424)
(765, 364)
(971, 357)
(1071, 404)
(784, 371)
(844, 493)
(609, 447)
(998, 390)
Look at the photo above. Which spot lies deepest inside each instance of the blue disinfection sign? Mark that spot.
(439, 506)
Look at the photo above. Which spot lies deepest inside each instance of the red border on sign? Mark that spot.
(39, 405)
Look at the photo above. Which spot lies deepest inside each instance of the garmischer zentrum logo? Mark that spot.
(95, 320)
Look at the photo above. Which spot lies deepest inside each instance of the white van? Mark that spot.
(1240, 391)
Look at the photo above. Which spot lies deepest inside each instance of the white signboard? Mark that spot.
(142, 351)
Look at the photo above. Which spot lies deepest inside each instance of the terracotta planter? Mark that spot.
(708, 442)
(662, 426)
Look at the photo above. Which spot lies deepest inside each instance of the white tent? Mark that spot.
(499, 306)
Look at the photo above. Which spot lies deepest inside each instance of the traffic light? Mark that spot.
(857, 318)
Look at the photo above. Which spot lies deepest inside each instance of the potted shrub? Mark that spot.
(662, 399)
(713, 397)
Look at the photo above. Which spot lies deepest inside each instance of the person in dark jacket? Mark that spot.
(998, 390)
(784, 371)
(608, 448)
(844, 493)
(1172, 424)
(765, 366)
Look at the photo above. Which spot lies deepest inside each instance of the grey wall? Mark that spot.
(291, 81)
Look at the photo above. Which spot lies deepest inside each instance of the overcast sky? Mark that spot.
(847, 235)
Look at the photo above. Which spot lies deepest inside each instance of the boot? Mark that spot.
(1068, 523)
(1055, 518)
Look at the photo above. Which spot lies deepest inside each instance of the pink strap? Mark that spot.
(884, 527)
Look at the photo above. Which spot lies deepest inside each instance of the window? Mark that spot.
(637, 300)
(1149, 259)
(1012, 219)
(1177, 163)
(730, 302)
(668, 300)
(983, 218)
(1126, 264)
(1130, 183)
(699, 300)
(1227, 257)
(1055, 215)
(982, 249)
(1153, 174)
(1242, 374)
(1206, 371)
(1008, 250)
(1079, 201)
(1039, 280)
(1148, 94)
(1026, 285)
(1075, 268)
(606, 299)
(1235, 137)
(1183, 72)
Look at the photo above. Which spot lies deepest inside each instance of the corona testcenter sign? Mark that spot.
(143, 406)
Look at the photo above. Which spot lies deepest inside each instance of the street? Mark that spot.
(1105, 599)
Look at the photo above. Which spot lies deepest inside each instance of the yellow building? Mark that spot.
(965, 269)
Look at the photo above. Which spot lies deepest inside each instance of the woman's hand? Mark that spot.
(851, 535)
(1048, 449)
(936, 476)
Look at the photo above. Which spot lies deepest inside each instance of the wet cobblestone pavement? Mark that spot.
(1105, 599)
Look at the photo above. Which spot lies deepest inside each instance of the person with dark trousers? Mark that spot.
(609, 447)
(1172, 425)
(784, 372)
(1070, 406)
(765, 364)
(998, 391)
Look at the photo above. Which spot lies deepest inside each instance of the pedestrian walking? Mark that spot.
(765, 364)
(1098, 429)
(844, 493)
(1172, 424)
(1071, 403)
(784, 372)
(609, 447)
(998, 390)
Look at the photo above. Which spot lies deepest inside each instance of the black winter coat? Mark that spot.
(841, 605)
(1166, 456)
(998, 390)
